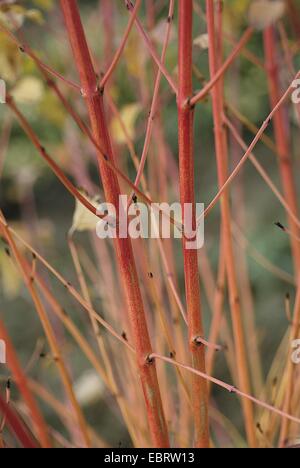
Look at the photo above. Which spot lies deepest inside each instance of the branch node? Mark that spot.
(150, 360)
(101, 90)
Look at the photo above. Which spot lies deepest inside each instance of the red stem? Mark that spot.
(123, 247)
(187, 195)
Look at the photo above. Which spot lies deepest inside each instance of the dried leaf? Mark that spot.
(128, 116)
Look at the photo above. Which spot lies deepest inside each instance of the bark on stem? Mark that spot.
(187, 195)
(123, 247)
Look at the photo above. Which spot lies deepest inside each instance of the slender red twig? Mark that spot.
(64, 179)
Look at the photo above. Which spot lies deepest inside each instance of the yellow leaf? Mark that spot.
(263, 13)
(28, 90)
(235, 13)
(83, 219)
(128, 117)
